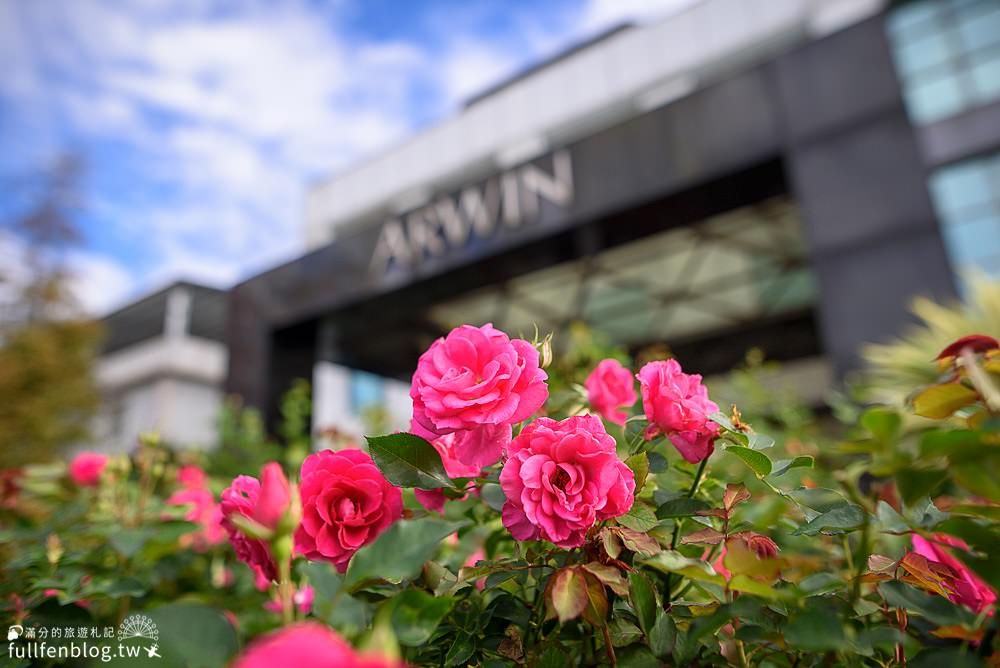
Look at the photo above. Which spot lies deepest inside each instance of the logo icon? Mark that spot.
(138, 626)
(14, 632)
(141, 626)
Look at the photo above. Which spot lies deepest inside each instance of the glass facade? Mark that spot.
(947, 55)
(967, 198)
(716, 275)
(367, 390)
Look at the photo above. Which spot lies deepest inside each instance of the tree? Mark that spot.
(47, 347)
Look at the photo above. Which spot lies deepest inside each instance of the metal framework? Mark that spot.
(721, 273)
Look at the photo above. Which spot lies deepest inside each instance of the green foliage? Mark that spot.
(47, 392)
(896, 368)
(791, 549)
(408, 461)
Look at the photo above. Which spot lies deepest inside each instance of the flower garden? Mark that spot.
(586, 511)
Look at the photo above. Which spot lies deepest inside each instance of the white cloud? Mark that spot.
(228, 116)
(99, 283)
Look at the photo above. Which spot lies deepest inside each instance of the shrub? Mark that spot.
(681, 537)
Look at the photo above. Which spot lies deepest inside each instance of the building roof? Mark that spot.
(145, 318)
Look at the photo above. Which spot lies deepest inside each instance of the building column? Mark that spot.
(856, 171)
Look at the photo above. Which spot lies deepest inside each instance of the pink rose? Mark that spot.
(192, 477)
(202, 510)
(677, 405)
(476, 377)
(275, 495)
(265, 504)
(610, 386)
(87, 467)
(560, 478)
(346, 503)
(308, 644)
(970, 590)
(448, 446)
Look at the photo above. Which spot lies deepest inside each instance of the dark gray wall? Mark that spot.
(857, 173)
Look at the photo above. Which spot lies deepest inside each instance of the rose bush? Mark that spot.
(515, 528)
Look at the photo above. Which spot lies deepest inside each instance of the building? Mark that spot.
(162, 368)
(785, 174)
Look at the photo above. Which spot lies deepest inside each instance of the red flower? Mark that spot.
(970, 590)
(87, 467)
(309, 645)
(264, 504)
(677, 405)
(560, 478)
(977, 343)
(610, 387)
(475, 378)
(346, 504)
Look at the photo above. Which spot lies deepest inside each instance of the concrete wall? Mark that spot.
(169, 384)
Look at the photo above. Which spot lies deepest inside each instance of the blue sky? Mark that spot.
(203, 122)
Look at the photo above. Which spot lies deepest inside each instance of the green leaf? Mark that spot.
(416, 615)
(671, 561)
(639, 464)
(128, 541)
(748, 585)
(759, 442)
(729, 429)
(953, 657)
(915, 484)
(567, 594)
(757, 461)
(461, 649)
(957, 444)
(643, 599)
(623, 632)
(493, 496)
(815, 630)
(783, 466)
(820, 583)
(408, 461)
(883, 423)
(596, 610)
(197, 634)
(636, 656)
(841, 518)
(723, 420)
(680, 507)
(662, 635)
(889, 519)
(639, 518)
(979, 477)
(400, 552)
(937, 609)
(940, 401)
(819, 499)
(972, 510)
(115, 587)
(657, 462)
(327, 586)
(608, 575)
